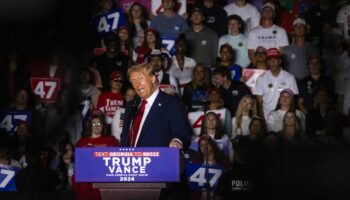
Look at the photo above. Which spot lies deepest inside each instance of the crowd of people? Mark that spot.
(269, 77)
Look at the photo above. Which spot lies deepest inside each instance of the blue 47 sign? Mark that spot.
(195, 172)
(109, 21)
(7, 178)
(9, 120)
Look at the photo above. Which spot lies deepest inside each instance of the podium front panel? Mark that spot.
(138, 165)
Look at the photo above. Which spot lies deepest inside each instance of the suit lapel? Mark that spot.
(153, 116)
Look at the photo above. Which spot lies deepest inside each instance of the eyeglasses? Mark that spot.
(97, 124)
(117, 80)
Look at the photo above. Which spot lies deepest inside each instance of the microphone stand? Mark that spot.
(134, 110)
(207, 181)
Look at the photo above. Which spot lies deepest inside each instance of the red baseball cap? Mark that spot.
(115, 74)
(273, 53)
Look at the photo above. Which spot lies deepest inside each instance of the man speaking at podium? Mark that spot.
(156, 119)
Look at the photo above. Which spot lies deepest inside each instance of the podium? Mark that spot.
(129, 191)
(128, 173)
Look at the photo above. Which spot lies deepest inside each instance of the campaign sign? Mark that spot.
(9, 120)
(158, 8)
(169, 44)
(45, 89)
(7, 178)
(196, 119)
(196, 176)
(235, 72)
(112, 164)
(109, 21)
(250, 75)
(167, 88)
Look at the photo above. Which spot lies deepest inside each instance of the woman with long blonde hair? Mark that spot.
(247, 109)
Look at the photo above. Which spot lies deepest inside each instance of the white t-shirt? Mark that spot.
(270, 87)
(274, 120)
(342, 18)
(182, 76)
(249, 14)
(244, 127)
(273, 37)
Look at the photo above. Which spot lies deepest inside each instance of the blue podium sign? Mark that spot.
(113, 164)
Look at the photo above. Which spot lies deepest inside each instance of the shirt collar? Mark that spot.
(152, 98)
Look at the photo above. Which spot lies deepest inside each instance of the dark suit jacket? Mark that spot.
(166, 120)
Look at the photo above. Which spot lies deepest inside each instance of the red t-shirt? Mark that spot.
(109, 141)
(108, 103)
(85, 191)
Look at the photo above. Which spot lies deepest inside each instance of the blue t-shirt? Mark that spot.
(170, 27)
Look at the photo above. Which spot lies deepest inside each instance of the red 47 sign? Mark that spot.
(45, 89)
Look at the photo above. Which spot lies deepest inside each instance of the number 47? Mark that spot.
(199, 176)
(40, 90)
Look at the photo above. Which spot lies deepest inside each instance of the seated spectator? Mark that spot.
(24, 139)
(270, 84)
(110, 101)
(23, 100)
(213, 128)
(267, 34)
(181, 65)
(210, 153)
(260, 59)
(214, 15)
(291, 134)
(309, 85)
(232, 91)
(195, 91)
(247, 109)
(316, 119)
(88, 92)
(96, 136)
(248, 12)
(63, 117)
(203, 42)
(215, 100)
(257, 129)
(167, 83)
(125, 43)
(63, 164)
(137, 23)
(226, 59)
(285, 103)
(151, 41)
(169, 23)
(237, 40)
(297, 53)
(110, 61)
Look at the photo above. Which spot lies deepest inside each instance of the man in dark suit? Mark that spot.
(163, 121)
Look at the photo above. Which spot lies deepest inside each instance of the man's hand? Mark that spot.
(176, 143)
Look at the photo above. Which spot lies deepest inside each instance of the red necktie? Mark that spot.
(136, 125)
